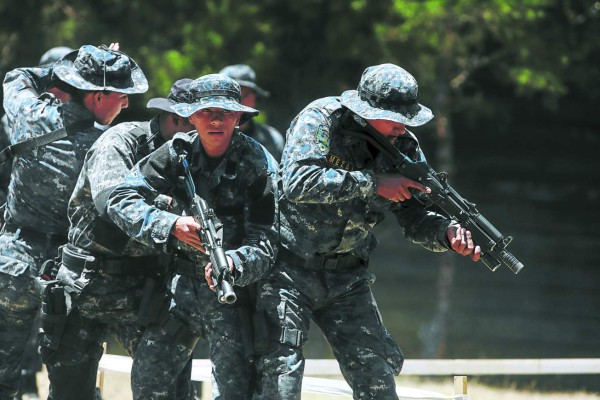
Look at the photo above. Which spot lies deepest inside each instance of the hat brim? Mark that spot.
(65, 70)
(226, 103)
(351, 100)
(259, 91)
(161, 103)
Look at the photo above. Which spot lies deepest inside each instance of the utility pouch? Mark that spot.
(154, 307)
(53, 314)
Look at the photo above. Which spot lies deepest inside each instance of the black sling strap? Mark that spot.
(13, 150)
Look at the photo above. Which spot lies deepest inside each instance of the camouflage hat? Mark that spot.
(214, 91)
(53, 55)
(100, 68)
(245, 76)
(387, 92)
(180, 93)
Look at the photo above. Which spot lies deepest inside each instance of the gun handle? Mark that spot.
(225, 293)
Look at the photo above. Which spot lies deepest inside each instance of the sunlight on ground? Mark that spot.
(116, 387)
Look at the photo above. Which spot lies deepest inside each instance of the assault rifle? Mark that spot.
(493, 244)
(211, 241)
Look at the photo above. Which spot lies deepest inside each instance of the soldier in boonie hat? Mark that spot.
(53, 55)
(245, 76)
(179, 93)
(265, 134)
(93, 68)
(214, 91)
(388, 92)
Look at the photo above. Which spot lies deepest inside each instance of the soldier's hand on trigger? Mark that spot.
(208, 273)
(396, 187)
(186, 229)
(462, 242)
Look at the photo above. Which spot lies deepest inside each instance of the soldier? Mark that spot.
(31, 360)
(336, 189)
(266, 135)
(99, 81)
(46, 61)
(237, 178)
(124, 283)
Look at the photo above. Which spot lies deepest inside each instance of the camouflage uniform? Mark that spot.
(240, 187)
(36, 223)
(111, 300)
(6, 167)
(328, 212)
(264, 134)
(40, 186)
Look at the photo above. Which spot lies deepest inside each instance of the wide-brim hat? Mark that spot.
(53, 55)
(244, 75)
(214, 91)
(387, 92)
(100, 68)
(180, 93)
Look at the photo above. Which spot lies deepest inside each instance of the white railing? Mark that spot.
(458, 368)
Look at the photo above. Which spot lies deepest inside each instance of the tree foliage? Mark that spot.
(462, 52)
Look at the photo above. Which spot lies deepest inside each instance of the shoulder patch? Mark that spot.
(322, 139)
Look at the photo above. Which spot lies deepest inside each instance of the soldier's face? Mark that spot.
(389, 129)
(215, 127)
(107, 105)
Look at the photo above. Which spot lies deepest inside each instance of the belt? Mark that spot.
(186, 267)
(33, 235)
(113, 266)
(334, 262)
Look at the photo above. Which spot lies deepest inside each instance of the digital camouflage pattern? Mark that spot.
(241, 188)
(40, 186)
(100, 68)
(214, 90)
(43, 180)
(107, 163)
(330, 207)
(245, 76)
(109, 304)
(389, 92)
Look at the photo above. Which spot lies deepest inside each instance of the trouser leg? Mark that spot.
(159, 361)
(281, 367)
(32, 363)
(18, 306)
(73, 366)
(368, 356)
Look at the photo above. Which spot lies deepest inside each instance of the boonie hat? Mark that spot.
(100, 68)
(53, 55)
(387, 92)
(214, 91)
(180, 93)
(245, 76)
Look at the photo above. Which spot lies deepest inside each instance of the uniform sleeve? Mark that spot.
(306, 175)
(129, 205)
(30, 112)
(256, 257)
(421, 226)
(109, 162)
